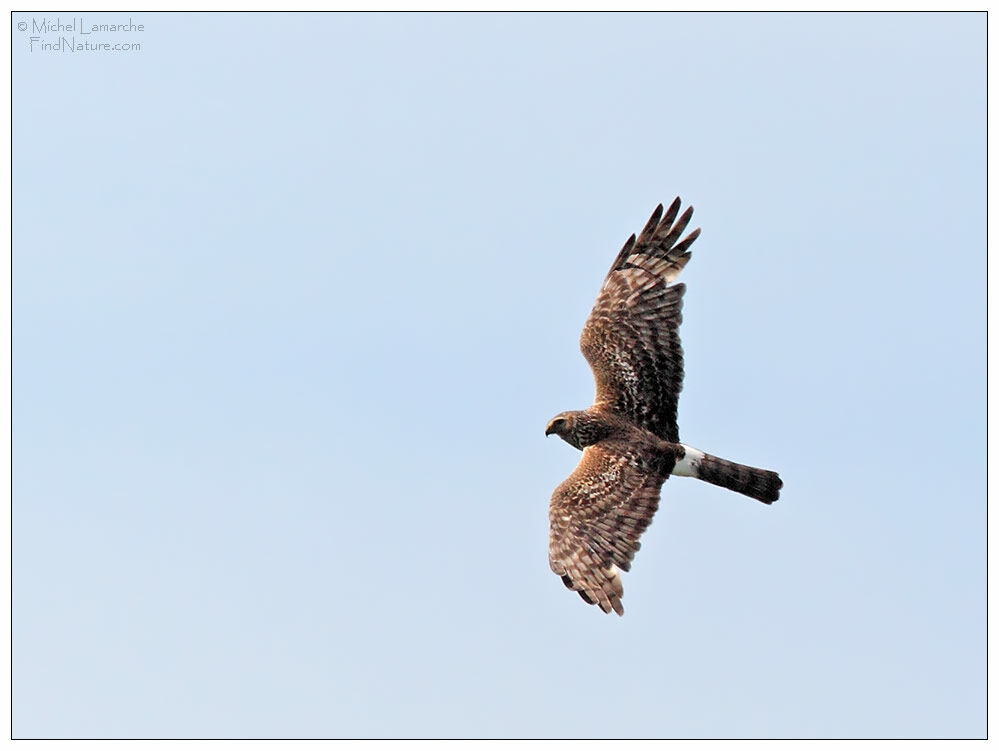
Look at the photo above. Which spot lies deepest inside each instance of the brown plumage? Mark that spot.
(629, 436)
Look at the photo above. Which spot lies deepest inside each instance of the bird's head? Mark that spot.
(559, 424)
(564, 426)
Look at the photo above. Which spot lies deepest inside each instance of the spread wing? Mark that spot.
(597, 516)
(631, 339)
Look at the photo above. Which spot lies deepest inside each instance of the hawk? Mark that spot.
(629, 437)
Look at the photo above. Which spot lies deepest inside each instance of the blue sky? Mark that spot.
(295, 296)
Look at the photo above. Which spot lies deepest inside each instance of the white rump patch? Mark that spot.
(687, 466)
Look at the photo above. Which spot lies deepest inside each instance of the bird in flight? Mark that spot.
(628, 436)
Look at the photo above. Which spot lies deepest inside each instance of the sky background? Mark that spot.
(294, 297)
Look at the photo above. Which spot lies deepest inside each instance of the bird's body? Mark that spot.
(629, 436)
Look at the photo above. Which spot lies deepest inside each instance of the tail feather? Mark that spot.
(761, 484)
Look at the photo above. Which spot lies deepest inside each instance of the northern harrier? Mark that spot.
(628, 436)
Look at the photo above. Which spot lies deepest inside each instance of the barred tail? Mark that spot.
(761, 484)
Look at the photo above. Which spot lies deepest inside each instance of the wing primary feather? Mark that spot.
(625, 252)
(686, 243)
(677, 229)
(651, 225)
(671, 213)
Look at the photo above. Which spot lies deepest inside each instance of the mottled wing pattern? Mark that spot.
(631, 338)
(597, 516)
